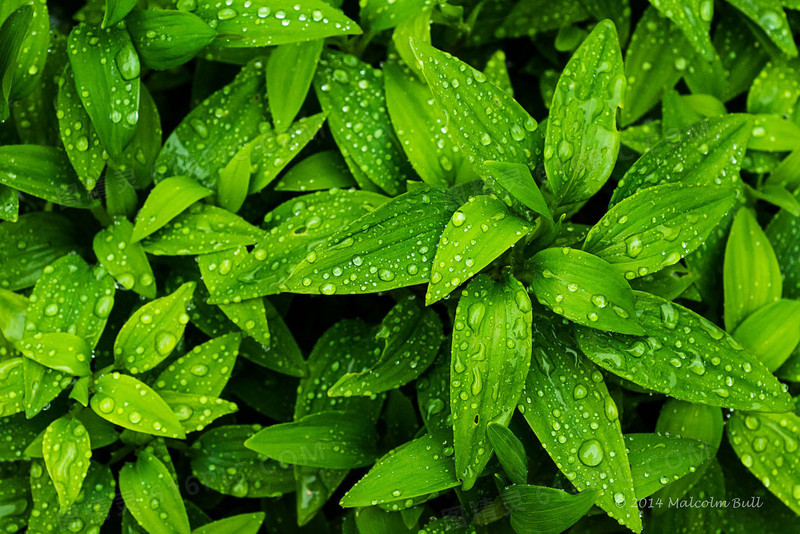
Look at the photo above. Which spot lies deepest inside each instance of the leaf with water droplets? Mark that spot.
(131, 404)
(101, 433)
(221, 462)
(582, 140)
(491, 352)
(658, 226)
(657, 460)
(282, 353)
(414, 469)
(330, 439)
(67, 450)
(116, 10)
(477, 234)
(204, 370)
(195, 411)
(783, 233)
(584, 289)
(241, 524)
(517, 181)
(44, 172)
(12, 386)
(213, 132)
(766, 443)
(106, 70)
(152, 496)
(153, 331)
(770, 333)
(530, 17)
(510, 452)
(693, 17)
(124, 259)
(709, 152)
(60, 351)
(12, 35)
(322, 170)
(242, 23)
(379, 15)
(286, 97)
(543, 510)
(686, 357)
(749, 257)
(351, 91)
(770, 17)
(411, 337)
(486, 123)
(166, 39)
(9, 204)
(496, 72)
(569, 408)
(776, 89)
(34, 52)
(168, 199)
(420, 126)
(387, 248)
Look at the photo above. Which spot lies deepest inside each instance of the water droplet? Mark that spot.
(127, 61)
(591, 452)
(165, 342)
(475, 315)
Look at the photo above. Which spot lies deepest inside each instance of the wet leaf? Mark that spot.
(67, 451)
(241, 524)
(490, 356)
(167, 39)
(323, 170)
(586, 99)
(584, 289)
(105, 63)
(510, 452)
(168, 199)
(545, 510)
(776, 89)
(770, 333)
(125, 260)
(195, 412)
(351, 92)
(783, 233)
(704, 365)
(12, 389)
(34, 50)
(151, 495)
(658, 460)
(387, 248)
(131, 404)
(204, 370)
(286, 99)
(60, 351)
(528, 18)
(478, 233)
(658, 226)
(694, 20)
(560, 388)
(517, 180)
(770, 17)
(12, 30)
(116, 10)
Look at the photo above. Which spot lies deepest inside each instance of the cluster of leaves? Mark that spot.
(398, 302)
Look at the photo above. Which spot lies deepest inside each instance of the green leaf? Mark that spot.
(542, 510)
(286, 97)
(248, 24)
(518, 181)
(490, 356)
(82, 144)
(43, 172)
(106, 69)
(712, 368)
(770, 333)
(323, 170)
(584, 289)
(411, 338)
(13, 308)
(479, 232)
(12, 387)
(168, 39)
(234, 179)
(387, 248)
(417, 468)
(221, 462)
(272, 151)
(101, 434)
(336, 440)
(496, 71)
(418, 123)
(773, 133)
(669, 283)
(749, 256)
(766, 443)
(61, 351)
(195, 412)
(582, 141)
(658, 460)
(282, 354)
(67, 450)
(204, 370)
(775, 89)
(152, 496)
(213, 132)
(708, 153)
(783, 233)
(131, 404)
(168, 199)
(694, 20)
(124, 259)
(13, 32)
(116, 10)
(510, 452)
(486, 123)
(531, 17)
(351, 92)
(559, 389)
(378, 15)
(153, 331)
(770, 17)
(241, 524)
(34, 51)
(658, 226)
(676, 113)
(9, 204)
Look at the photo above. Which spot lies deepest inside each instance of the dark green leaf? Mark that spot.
(67, 450)
(694, 20)
(584, 289)
(167, 39)
(13, 386)
(658, 460)
(286, 99)
(687, 357)
(12, 35)
(542, 510)
(124, 259)
(531, 17)
(770, 17)
(509, 451)
(240, 524)
(152, 496)
(783, 233)
(518, 181)
(323, 170)
(116, 10)
(35, 47)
